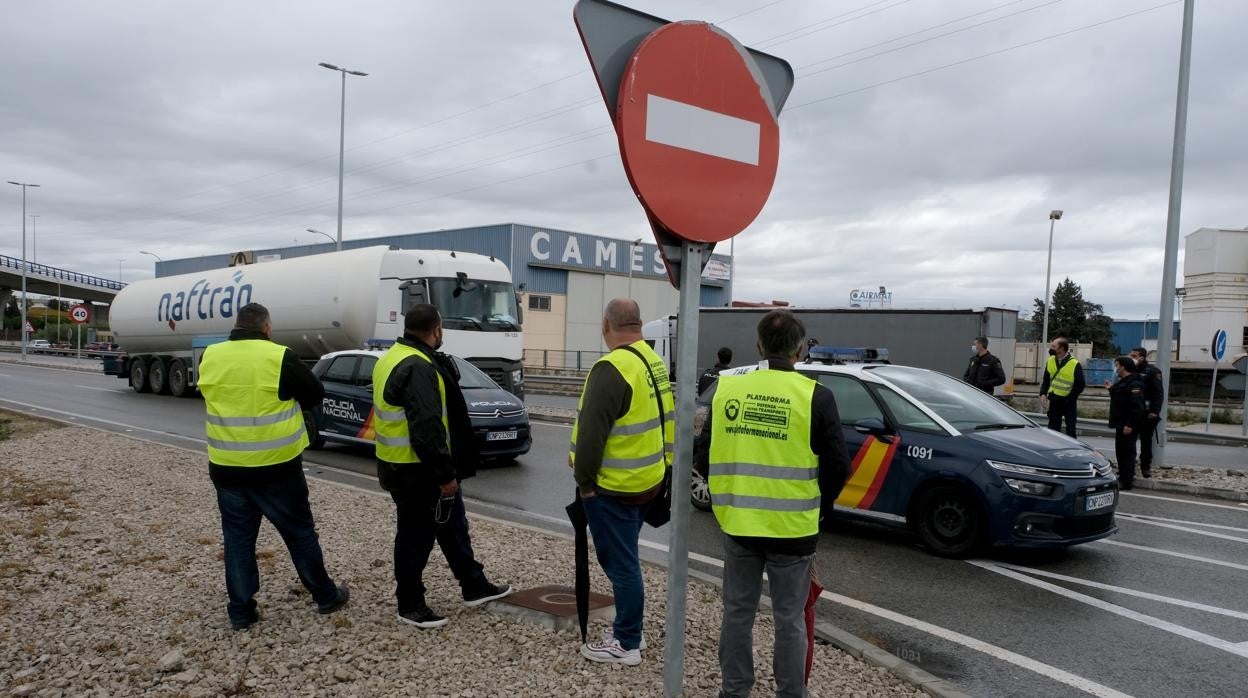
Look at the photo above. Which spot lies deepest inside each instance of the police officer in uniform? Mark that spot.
(624, 431)
(1155, 392)
(253, 390)
(776, 459)
(1128, 409)
(984, 370)
(425, 446)
(1060, 388)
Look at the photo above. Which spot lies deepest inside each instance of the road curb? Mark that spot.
(61, 367)
(861, 649)
(1195, 490)
(552, 418)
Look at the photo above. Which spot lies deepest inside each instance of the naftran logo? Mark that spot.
(203, 302)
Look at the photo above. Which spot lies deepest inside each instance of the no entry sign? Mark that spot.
(697, 131)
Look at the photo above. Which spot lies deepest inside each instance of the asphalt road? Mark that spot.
(1161, 609)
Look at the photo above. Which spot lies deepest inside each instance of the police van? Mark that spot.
(950, 462)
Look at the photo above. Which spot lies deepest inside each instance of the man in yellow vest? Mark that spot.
(1061, 385)
(776, 458)
(425, 446)
(620, 444)
(255, 392)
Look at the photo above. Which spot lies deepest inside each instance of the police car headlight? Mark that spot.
(1016, 468)
(1039, 489)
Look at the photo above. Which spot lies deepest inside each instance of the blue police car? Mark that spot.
(955, 465)
(499, 419)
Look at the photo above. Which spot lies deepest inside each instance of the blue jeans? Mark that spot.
(616, 528)
(285, 504)
(415, 532)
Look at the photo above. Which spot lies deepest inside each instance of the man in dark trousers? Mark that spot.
(425, 446)
(1128, 409)
(984, 371)
(1060, 388)
(1155, 392)
(709, 375)
(776, 460)
(253, 391)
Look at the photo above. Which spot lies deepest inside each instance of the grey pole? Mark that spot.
(732, 268)
(24, 186)
(686, 388)
(632, 246)
(34, 238)
(1165, 327)
(1054, 216)
(342, 136)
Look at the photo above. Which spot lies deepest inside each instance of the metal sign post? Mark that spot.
(1217, 349)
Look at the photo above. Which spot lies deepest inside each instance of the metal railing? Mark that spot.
(61, 274)
(560, 360)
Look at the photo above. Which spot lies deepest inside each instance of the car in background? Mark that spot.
(500, 421)
(952, 463)
(39, 346)
(95, 350)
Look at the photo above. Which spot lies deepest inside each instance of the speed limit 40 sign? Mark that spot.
(80, 314)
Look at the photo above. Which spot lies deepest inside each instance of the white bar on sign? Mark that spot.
(701, 130)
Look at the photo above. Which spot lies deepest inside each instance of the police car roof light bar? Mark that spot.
(847, 355)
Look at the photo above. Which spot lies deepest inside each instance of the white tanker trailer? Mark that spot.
(319, 304)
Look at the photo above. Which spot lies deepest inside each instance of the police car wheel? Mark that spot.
(950, 522)
(315, 440)
(699, 492)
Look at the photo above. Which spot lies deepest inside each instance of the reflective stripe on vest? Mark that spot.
(393, 440)
(635, 455)
(1061, 382)
(246, 424)
(764, 477)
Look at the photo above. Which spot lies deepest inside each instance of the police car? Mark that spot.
(952, 463)
(499, 420)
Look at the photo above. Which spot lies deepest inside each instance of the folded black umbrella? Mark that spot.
(576, 514)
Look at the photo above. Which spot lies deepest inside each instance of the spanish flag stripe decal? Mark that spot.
(367, 431)
(865, 464)
(881, 473)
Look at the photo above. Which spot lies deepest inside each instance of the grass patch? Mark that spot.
(16, 424)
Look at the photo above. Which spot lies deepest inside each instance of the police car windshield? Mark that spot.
(472, 377)
(963, 406)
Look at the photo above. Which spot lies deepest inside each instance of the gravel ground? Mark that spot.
(1226, 479)
(111, 584)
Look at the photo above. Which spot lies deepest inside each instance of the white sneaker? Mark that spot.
(609, 634)
(610, 652)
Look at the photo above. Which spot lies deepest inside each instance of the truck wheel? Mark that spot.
(157, 376)
(950, 522)
(177, 378)
(138, 374)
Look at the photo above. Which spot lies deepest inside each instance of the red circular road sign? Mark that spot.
(80, 313)
(698, 131)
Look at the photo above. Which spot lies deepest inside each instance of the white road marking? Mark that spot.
(1165, 625)
(1128, 592)
(701, 130)
(1173, 553)
(1189, 523)
(1052, 672)
(1185, 529)
(103, 390)
(1241, 507)
(127, 427)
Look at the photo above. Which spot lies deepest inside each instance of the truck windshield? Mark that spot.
(471, 304)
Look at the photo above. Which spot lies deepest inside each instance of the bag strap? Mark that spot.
(658, 397)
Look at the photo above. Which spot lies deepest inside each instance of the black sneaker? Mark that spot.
(255, 618)
(344, 595)
(1146, 471)
(485, 593)
(423, 618)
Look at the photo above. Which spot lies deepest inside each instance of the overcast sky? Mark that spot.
(189, 128)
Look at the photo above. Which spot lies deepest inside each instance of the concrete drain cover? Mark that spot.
(553, 606)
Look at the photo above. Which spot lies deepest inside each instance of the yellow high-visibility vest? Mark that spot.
(1061, 382)
(636, 453)
(764, 477)
(393, 440)
(247, 425)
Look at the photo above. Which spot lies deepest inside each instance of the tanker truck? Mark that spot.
(320, 304)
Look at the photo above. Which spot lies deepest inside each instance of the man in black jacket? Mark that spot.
(709, 375)
(984, 371)
(1155, 392)
(422, 471)
(1128, 407)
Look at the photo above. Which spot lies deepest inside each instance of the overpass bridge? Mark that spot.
(50, 281)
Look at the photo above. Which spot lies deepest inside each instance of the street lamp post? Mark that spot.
(342, 136)
(152, 254)
(34, 238)
(24, 186)
(119, 261)
(1054, 216)
(331, 239)
(631, 246)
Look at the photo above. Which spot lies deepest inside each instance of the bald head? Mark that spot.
(621, 322)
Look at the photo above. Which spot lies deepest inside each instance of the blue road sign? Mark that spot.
(1218, 348)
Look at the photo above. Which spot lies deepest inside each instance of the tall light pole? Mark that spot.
(631, 246)
(1054, 216)
(119, 261)
(152, 254)
(342, 136)
(34, 238)
(331, 239)
(24, 186)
